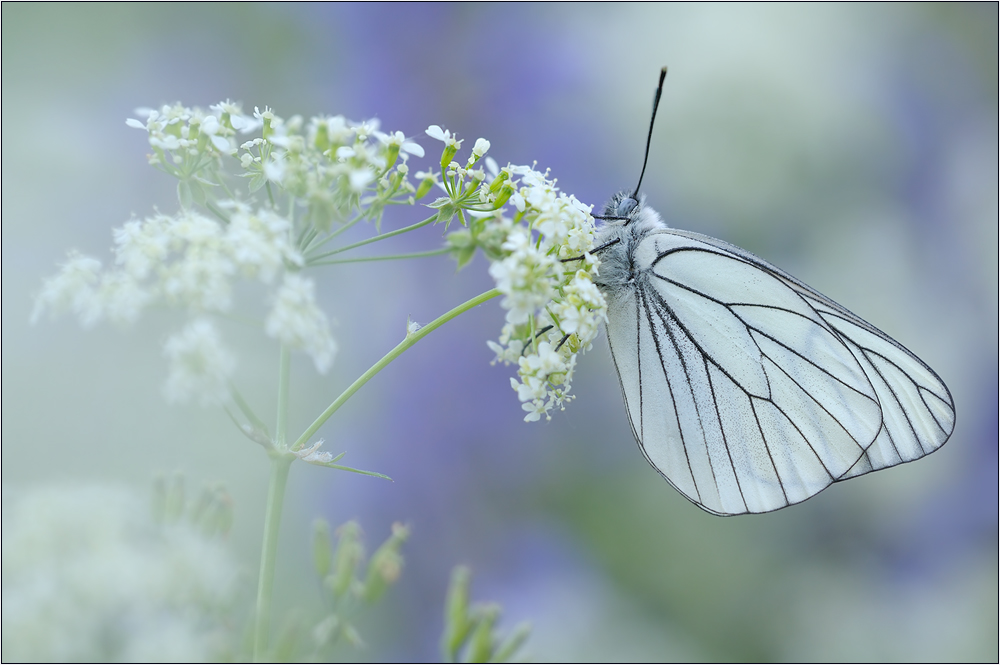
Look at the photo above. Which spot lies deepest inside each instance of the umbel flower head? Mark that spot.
(554, 309)
(192, 261)
(539, 262)
(314, 174)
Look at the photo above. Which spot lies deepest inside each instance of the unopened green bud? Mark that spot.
(322, 548)
(322, 140)
(391, 154)
(482, 145)
(481, 642)
(498, 181)
(456, 613)
(386, 564)
(505, 193)
(425, 186)
(508, 648)
(349, 553)
(449, 153)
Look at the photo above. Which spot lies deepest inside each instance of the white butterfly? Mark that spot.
(746, 389)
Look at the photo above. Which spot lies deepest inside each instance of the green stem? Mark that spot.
(270, 195)
(283, 373)
(343, 227)
(414, 255)
(382, 236)
(388, 358)
(218, 213)
(280, 465)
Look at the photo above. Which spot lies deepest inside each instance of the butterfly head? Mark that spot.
(622, 207)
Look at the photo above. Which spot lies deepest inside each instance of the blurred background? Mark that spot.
(855, 146)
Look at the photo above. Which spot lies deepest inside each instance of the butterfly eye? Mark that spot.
(625, 206)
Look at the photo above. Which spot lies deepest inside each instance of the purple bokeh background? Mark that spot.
(854, 146)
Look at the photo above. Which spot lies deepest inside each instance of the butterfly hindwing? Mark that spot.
(749, 391)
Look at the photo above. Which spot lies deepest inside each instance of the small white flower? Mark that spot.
(200, 365)
(435, 132)
(482, 145)
(552, 313)
(201, 276)
(259, 243)
(72, 289)
(123, 297)
(297, 321)
(359, 179)
(266, 116)
(399, 139)
(365, 129)
(478, 150)
(274, 169)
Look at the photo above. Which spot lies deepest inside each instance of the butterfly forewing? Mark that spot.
(749, 391)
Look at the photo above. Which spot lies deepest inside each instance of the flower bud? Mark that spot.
(322, 548)
(482, 145)
(505, 193)
(481, 642)
(498, 181)
(322, 140)
(391, 154)
(386, 564)
(449, 153)
(349, 553)
(425, 185)
(456, 613)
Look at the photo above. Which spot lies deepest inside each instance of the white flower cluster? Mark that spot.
(193, 261)
(200, 365)
(330, 162)
(539, 262)
(182, 131)
(317, 173)
(88, 576)
(297, 321)
(553, 307)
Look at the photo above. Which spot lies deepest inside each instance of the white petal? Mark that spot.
(436, 132)
(413, 149)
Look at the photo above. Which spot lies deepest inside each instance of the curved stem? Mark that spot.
(314, 245)
(414, 255)
(388, 358)
(280, 465)
(382, 236)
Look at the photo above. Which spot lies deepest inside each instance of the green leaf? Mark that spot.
(331, 465)
(463, 255)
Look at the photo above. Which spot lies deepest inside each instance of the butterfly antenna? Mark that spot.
(649, 138)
